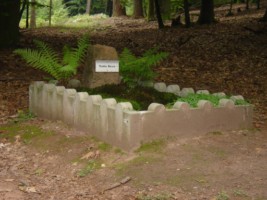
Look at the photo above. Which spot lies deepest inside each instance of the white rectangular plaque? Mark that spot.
(107, 66)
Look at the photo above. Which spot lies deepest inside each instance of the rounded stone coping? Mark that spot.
(127, 106)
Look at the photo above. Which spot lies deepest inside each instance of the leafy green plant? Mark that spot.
(162, 196)
(46, 59)
(134, 69)
(222, 196)
(91, 166)
(192, 99)
(23, 116)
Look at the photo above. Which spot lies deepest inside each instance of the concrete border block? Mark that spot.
(68, 106)
(81, 114)
(183, 106)
(237, 97)
(161, 87)
(156, 107)
(228, 103)
(202, 92)
(205, 105)
(57, 105)
(219, 94)
(120, 119)
(186, 91)
(175, 89)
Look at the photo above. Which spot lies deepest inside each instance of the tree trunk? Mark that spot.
(118, 9)
(50, 12)
(9, 22)
(207, 12)
(109, 8)
(258, 4)
(88, 7)
(186, 14)
(264, 18)
(138, 9)
(33, 15)
(151, 10)
(27, 14)
(247, 4)
(159, 18)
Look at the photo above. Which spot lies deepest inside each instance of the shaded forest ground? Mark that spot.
(42, 159)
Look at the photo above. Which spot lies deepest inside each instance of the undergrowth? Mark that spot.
(193, 99)
(46, 59)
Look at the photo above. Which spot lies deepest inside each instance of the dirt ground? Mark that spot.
(43, 160)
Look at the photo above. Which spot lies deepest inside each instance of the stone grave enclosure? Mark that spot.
(118, 124)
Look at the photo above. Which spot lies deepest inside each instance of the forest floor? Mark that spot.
(229, 56)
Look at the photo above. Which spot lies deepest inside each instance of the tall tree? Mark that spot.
(258, 4)
(206, 12)
(158, 13)
(138, 9)
(151, 10)
(9, 22)
(109, 8)
(33, 15)
(118, 9)
(186, 13)
(247, 4)
(88, 7)
(264, 18)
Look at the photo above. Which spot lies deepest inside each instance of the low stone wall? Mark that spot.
(118, 124)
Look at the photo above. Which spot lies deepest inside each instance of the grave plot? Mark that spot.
(118, 124)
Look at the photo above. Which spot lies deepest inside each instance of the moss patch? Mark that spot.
(25, 132)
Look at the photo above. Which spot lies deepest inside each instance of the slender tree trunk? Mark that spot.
(109, 8)
(207, 12)
(33, 15)
(50, 12)
(159, 18)
(27, 14)
(247, 4)
(258, 4)
(151, 10)
(9, 22)
(24, 3)
(138, 9)
(88, 7)
(118, 9)
(186, 14)
(264, 18)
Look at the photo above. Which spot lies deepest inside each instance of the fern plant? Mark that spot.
(46, 59)
(134, 69)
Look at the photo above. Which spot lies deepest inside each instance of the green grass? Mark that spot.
(24, 131)
(121, 168)
(193, 99)
(90, 167)
(239, 193)
(222, 196)
(154, 146)
(161, 196)
(104, 146)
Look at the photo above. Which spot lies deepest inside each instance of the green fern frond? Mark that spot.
(46, 59)
(73, 56)
(38, 61)
(135, 69)
(46, 51)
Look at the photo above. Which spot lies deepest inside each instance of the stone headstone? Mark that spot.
(93, 79)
